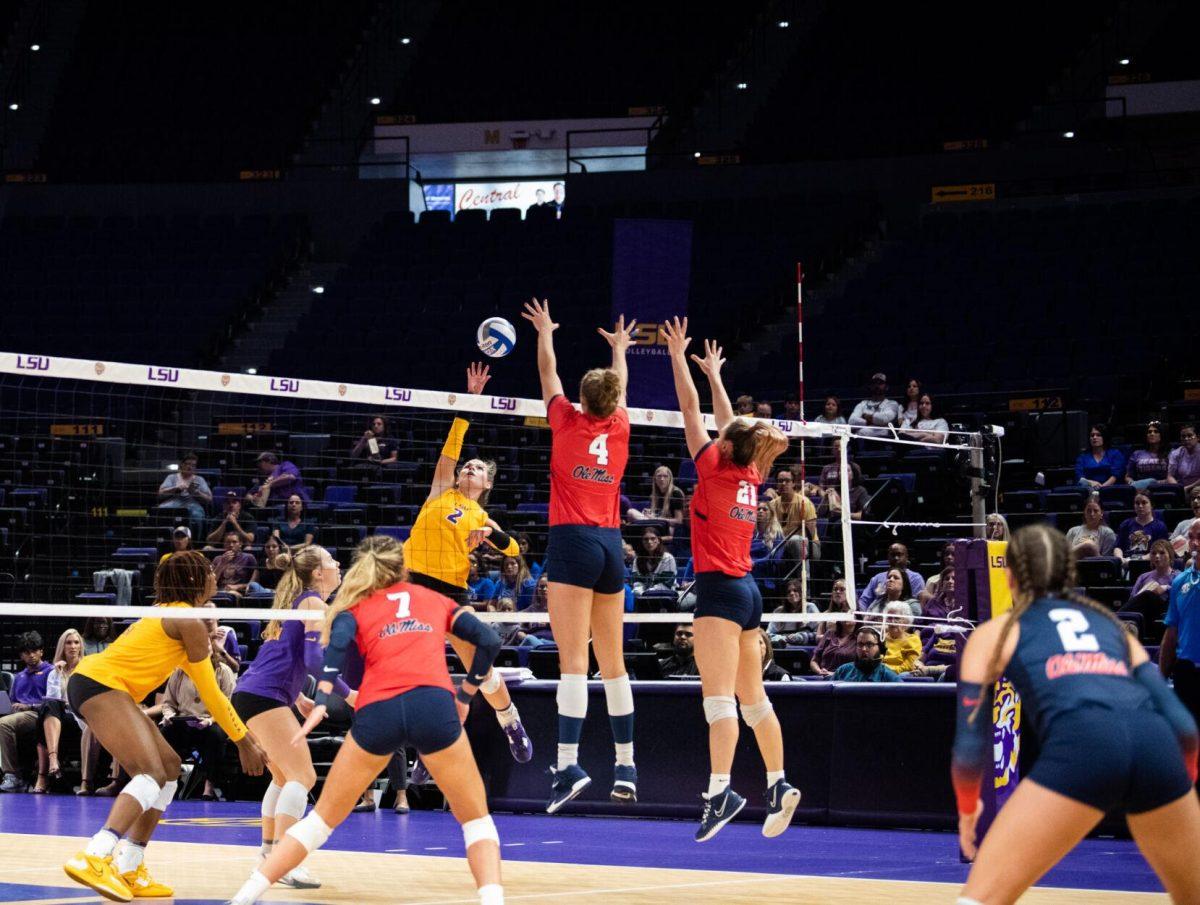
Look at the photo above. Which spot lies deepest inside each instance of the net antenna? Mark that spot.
(800, 402)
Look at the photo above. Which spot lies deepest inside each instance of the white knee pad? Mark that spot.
(492, 683)
(572, 696)
(270, 801)
(166, 796)
(963, 900)
(293, 799)
(754, 714)
(618, 695)
(144, 790)
(479, 829)
(311, 832)
(719, 707)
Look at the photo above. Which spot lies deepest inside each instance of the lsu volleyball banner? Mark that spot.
(652, 270)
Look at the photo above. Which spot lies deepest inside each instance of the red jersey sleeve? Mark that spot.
(708, 459)
(560, 412)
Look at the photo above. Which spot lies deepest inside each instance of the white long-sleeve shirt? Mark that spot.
(874, 417)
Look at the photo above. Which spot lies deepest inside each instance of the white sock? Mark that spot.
(265, 849)
(252, 889)
(568, 756)
(773, 776)
(492, 894)
(508, 715)
(717, 783)
(624, 753)
(102, 844)
(129, 856)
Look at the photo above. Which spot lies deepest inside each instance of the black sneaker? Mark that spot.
(718, 811)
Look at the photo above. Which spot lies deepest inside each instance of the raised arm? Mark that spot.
(538, 314)
(711, 365)
(620, 339)
(443, 474)
(694, 431)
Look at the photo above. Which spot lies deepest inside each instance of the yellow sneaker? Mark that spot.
(98, 874)
(145, 886)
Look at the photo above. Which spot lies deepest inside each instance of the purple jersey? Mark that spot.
(279, 670)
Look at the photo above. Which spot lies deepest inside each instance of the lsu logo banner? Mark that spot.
(395, 394)
(504, 403)
(285, 385)
(163, 375)
(33, 362)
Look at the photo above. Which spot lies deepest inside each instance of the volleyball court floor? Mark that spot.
(206, 850)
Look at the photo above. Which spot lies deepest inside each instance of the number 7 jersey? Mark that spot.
(723, 510)
(587, 462)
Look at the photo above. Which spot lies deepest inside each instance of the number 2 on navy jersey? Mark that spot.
(1073, 628)
(404, 599)
(747, 494)
(599, 449)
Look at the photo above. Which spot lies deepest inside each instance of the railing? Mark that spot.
(650, 131)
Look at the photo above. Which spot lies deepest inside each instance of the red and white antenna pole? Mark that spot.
(800, 357)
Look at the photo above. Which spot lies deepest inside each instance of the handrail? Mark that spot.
(650, 131)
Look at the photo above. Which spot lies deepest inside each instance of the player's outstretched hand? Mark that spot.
(966, 831)
(477, 377)
(713, 359)
(538, 314)
(621, 336)
(253, 758)
(314, 720)
(675, 332)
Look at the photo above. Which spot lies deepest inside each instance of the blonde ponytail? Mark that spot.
(298, 567)
(378, 563)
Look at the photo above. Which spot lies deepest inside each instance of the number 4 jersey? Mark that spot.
(723, 510)
(1068, 657)
(402, 638)
(587, 462)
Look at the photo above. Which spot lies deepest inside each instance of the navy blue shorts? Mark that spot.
(586, 557)
(1124, 762)
(424, 718)
(736, 599)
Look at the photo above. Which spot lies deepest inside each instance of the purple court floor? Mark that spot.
(1112, 864)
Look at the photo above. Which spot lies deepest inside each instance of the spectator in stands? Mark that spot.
(269, 570)
(867, 665)
(1183, 465)
(1151, 591)
(873, 415)
(830, 506)
(97, 634)
(666, 502)
(836, 643)
(184, 489)
(791, 409)
(541, 598)
(682, 661)
(763, 410)
(904, 646)
(515, 583)
(480, 588)
(772, 671)
(744, 405)
(876, 588)
(947, 561)
(1179, 535)
(797, 518)
(896, 589)
(187, 725)
(53, 710)
(235, 569)
(654, 569)
(767, 542)
(799, 632)
(511, 633)
(941, 603)
(910, 408)
(232, 519)
(181, 539)
(28, 692)
(1149, 465)
(374, 448)
(225, 642)
(1093, 537)
(1100, 466)
(1137, 533)
(1179, 656)
(295, 530)
(280, 480)
(535, 567)
(831, 412)
(995, 527)
(560, 198)
(924, 427)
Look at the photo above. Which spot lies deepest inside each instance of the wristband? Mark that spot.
(463, 696)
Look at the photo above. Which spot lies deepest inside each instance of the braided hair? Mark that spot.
(183, 578)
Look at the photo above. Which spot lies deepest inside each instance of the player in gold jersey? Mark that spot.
(105, 691)
(452, 522)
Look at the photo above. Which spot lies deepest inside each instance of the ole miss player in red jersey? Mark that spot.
(585, 567)
(406, 698)
(728, 602)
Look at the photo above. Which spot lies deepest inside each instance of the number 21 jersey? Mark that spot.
(588, 456)
(723, 510)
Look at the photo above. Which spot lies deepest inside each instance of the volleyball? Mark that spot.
(496, 337)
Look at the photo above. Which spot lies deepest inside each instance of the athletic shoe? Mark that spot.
(718, 811)
(419, 776)
(624, 783)
(519, 743)
(568, 783)
(298, 878)
(143, 886)
(98, 874)
(782, 801)
(12, 783)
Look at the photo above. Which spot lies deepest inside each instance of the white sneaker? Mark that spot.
(298, 878)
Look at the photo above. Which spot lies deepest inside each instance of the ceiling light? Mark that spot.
(374, 102)
(741, 86)
(696, 154)
(35, 47)
(251, 370)
(406, 40)
(317, 290)
(1068, 135)
(1124, 61)
(783, 23)
(14, 106)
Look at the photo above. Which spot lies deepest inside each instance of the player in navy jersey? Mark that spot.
(728, 602)
(406, 697)
(1114, 737)
(585, 565)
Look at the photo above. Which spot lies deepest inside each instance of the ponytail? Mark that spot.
(378, 563)
(298, 567)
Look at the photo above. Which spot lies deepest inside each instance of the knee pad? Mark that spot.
(572, 696)
(492, 683)
(618, 695)
(480, 829)
(270, 801)
(719, 707)
(166, 796)
(963, 900)
(754, 714)
(293, 799)
(144, 790)
(311, 832)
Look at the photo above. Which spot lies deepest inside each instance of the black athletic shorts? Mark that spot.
(459, 595)
(737, 599)
(424, 718)
(82, 689)
(248, 705)
(1118, 761)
